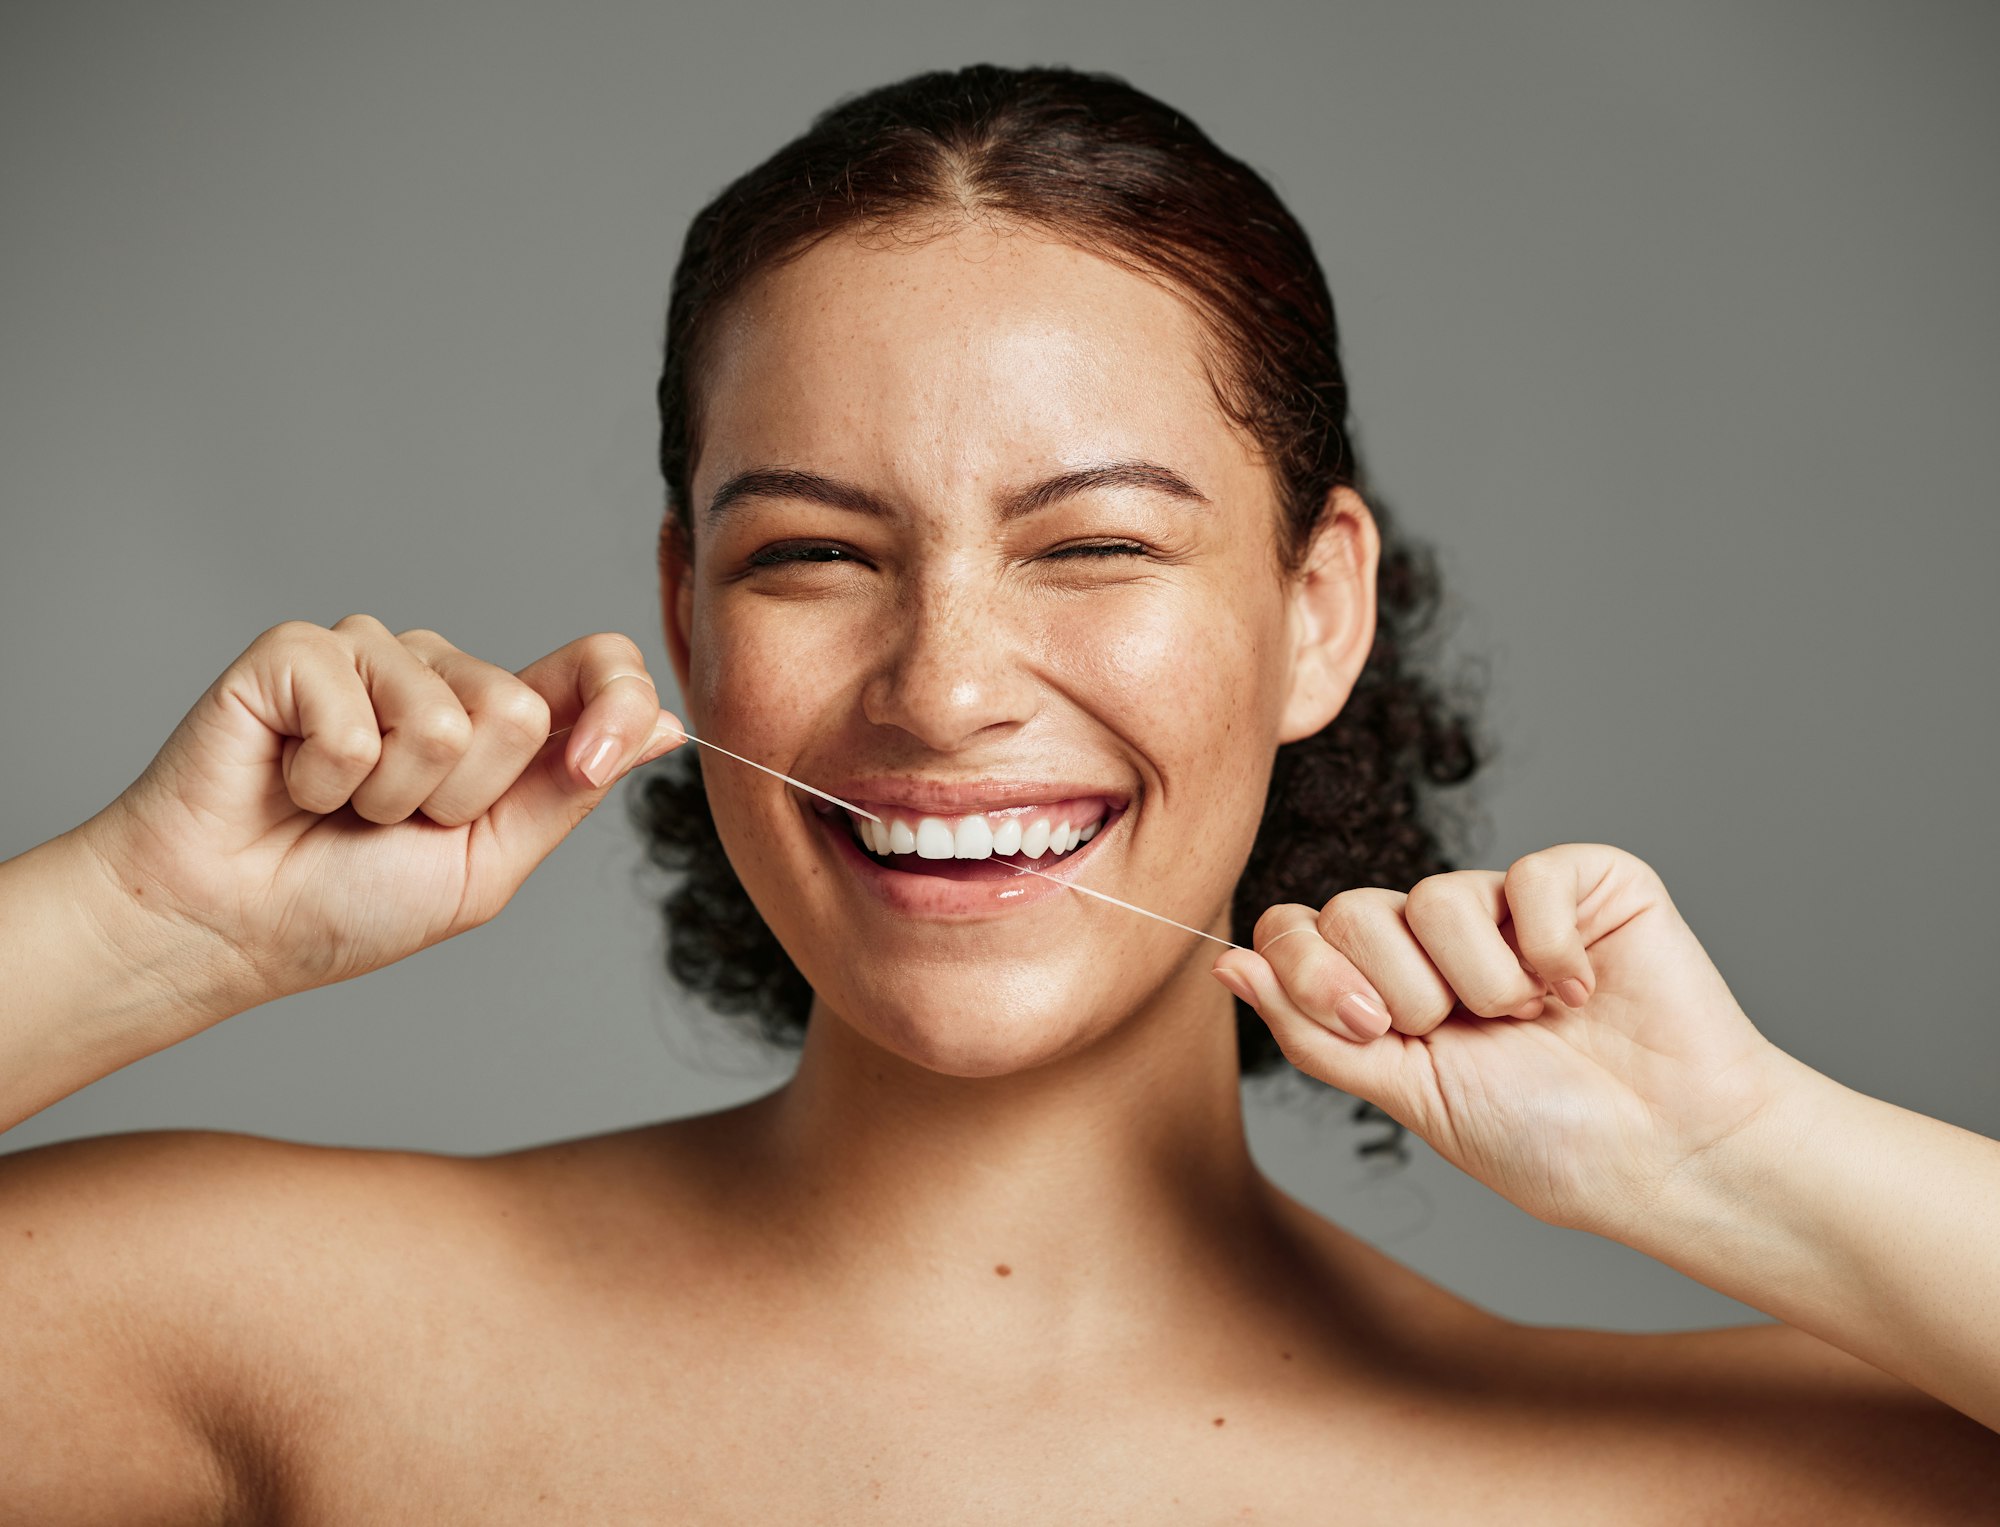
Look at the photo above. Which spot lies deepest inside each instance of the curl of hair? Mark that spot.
(1087, 158)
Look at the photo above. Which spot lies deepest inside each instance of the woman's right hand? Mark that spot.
(343, 797)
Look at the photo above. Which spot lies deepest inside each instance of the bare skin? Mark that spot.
(998, 1252)
(608, 1331)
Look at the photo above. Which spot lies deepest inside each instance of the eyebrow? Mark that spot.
(786, 482)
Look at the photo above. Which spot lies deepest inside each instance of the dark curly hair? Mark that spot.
(1113, 171)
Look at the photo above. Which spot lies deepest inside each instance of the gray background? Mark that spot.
(1673, 327)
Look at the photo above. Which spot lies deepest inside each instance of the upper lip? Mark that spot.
(941, 797)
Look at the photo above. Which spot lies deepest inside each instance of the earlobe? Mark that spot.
(1332, 615)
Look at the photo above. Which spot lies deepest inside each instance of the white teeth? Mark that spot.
(972, 838)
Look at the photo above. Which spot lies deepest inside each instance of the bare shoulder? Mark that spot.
(166, 1294)
(1764, 1422)
(182, 1201)
(212, 1233)
(1761, 1423)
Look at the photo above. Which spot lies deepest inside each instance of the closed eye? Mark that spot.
(1102, 549)
(800, 551)
(822, 552)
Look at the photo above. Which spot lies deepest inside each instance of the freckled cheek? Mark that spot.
(1185, 682)
(765, 679)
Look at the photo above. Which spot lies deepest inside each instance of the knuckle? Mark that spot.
(1425, 898)
(1537, 867)
(614, 649)
(292, 633)
(1341, 917)
(1540, 946)
(439, 733)
(421, 637)
(351, 749)
(519, 715)
(359, 622)
(1272, 921)
(1433, 888)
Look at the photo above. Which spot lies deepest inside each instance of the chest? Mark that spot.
(685, 1430)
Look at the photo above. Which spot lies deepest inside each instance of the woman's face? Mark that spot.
(976, 549)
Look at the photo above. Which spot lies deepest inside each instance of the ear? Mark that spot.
(676, 595)
(1331, 619)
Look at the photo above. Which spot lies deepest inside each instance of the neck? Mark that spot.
(1060, 1204)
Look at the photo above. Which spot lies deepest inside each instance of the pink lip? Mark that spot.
(945, 798)
(918, 895)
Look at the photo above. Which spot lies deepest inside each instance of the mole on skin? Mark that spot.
(1003, 1269)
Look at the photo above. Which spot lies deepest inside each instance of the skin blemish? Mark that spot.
(1004, 1270)
(1218, 1420)
(1286, 1356)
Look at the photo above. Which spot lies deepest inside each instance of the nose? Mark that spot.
(951, 671)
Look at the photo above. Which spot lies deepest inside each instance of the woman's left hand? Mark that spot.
(1580, 1106)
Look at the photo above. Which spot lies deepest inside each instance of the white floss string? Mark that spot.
(1020, 869)
(1087, 891)
(809, 790)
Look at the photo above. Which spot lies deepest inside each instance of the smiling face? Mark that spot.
(986, 547)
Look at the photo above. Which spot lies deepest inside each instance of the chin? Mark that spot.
(973, 1027)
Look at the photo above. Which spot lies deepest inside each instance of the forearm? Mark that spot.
(1872, 1227)
(88, 983)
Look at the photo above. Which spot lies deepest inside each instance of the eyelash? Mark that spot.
(776, 556)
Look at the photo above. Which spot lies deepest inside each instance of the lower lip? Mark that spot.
(914, 894)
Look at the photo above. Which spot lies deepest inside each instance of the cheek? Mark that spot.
(760, 673)
(1183, 674)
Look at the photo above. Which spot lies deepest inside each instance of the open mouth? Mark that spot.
(931, 865)
(982, 845)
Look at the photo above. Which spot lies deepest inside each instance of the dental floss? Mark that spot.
(1019, 869)
(1023, 869)
(755, 765)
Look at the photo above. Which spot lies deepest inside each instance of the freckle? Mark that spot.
(1004, 1270)
(1218, 1420)
(29, 1234)
(1286, 1356)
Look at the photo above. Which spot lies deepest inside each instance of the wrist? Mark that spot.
(1760, 1195)
(163, 964)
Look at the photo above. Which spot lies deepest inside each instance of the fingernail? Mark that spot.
(1571, 991)
(665, 731)
(1237, 985)
(597, 764)
(1362, 1016)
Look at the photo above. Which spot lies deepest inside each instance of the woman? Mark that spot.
(1009, 502)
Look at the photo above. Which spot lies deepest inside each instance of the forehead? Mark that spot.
(971, 358)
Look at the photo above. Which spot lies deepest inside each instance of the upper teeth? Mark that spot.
(973, 837)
